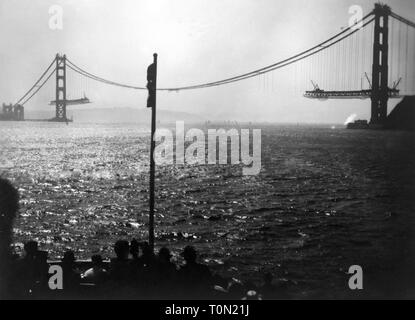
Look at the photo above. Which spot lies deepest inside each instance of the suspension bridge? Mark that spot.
(371, 59)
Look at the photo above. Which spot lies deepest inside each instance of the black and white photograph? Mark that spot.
(207, 154)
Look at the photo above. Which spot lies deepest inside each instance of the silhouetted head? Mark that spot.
(164, 254)
(68, 257)
(9, 205)
(147, 252)
(134, 248)
(31, 248)
(189, 254)
(122, 249)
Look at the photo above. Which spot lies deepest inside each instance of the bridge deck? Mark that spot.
(353, 94)
(72, 102)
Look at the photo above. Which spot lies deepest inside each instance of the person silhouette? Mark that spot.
(31, 250)
(120, 269)
(149, 276)
(121, 272)
(164, 262)
(71, 276)
(9, 205)
(42, 269)
(137, 266)
(134, 248)
(166, 272)
(148, 255)
(194, 276)
(32, 270)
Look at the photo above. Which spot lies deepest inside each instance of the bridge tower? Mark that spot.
(379, 96)
(60, 88)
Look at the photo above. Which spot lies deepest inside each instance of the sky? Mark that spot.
(197, 41)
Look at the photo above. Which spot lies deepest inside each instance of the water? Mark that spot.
(326, 198)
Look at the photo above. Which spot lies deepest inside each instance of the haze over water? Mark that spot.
(325, 199)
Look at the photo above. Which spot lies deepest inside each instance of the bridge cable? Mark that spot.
(254, 73)
(85, 73)
(402, 19)
(276, 65)
(39, 87)
(36, 83)
(293, 61)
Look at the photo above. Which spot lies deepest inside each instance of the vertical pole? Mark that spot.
(152, 146)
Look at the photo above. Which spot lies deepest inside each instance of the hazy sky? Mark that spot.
(197, 41)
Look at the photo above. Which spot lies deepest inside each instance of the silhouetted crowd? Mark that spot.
(134, 273)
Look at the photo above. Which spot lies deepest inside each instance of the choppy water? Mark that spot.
(325, 199)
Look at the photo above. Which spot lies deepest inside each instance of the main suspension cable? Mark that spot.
(36, 83)
(85, 73)
(402, 19)
(277, 66)
(273, 66)
(39, 87)
(302, 55)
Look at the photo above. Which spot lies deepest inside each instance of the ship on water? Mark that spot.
(358, 124)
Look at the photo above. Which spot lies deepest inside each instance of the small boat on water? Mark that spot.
(358, 124)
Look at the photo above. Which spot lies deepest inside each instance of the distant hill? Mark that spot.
(117, 115)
